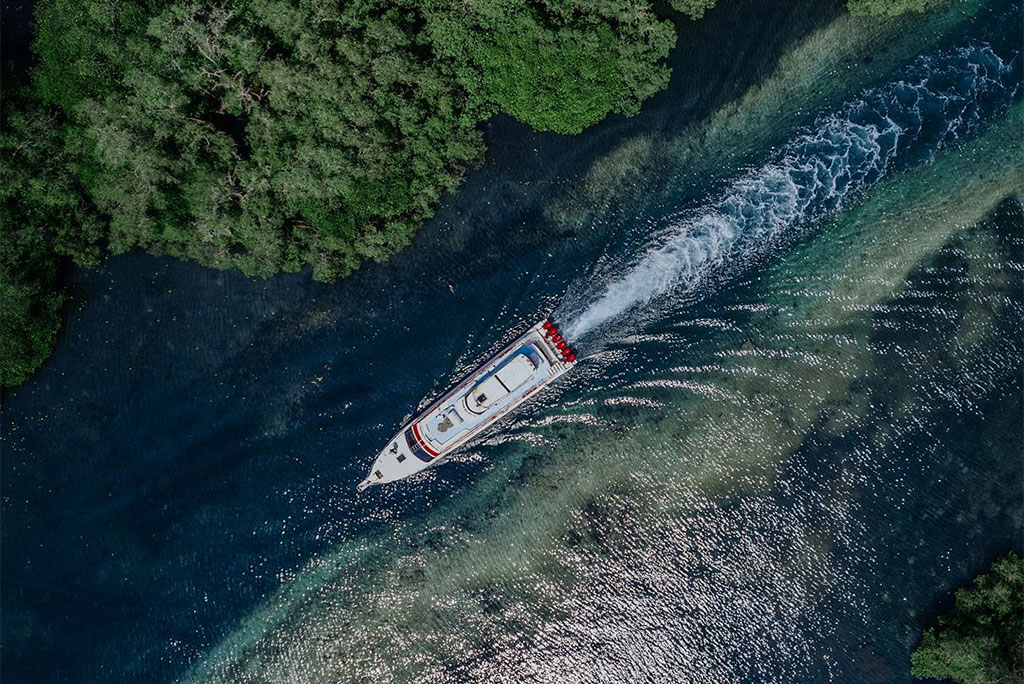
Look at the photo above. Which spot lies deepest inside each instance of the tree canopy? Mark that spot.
(694, 9)
(271, 135)
(46, 216)
(266, 135)
(274, 135)
(980, 641)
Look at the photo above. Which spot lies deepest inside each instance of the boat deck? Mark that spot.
(455, 415)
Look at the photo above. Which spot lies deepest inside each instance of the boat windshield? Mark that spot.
(415, 448)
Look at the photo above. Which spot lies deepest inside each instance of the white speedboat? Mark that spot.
(503, 382)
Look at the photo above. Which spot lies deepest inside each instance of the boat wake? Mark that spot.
(935, 101)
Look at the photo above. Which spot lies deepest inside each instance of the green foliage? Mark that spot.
(44, 215)
(564, 75)
(981, 641)
(79, 44)
(531, 74)
(891, 8)
(267, 135)
(270, 135)
(694, 9)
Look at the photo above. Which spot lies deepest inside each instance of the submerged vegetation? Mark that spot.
(890, 8)
(980, 641)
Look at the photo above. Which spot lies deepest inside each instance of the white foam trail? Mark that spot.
(940, 99)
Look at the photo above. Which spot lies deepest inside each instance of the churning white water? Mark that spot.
(935, 101)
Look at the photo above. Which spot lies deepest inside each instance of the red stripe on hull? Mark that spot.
(423, 443)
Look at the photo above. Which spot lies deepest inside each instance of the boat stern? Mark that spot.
(555, 346)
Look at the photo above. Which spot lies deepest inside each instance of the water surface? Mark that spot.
(770, 467)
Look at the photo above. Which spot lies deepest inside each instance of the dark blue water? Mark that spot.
(773, 475)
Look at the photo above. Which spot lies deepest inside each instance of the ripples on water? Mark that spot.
(938, 100)
(747, 518)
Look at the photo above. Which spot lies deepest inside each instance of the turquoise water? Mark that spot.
(797, 284)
